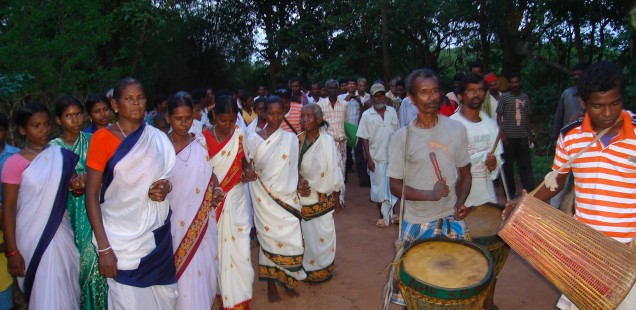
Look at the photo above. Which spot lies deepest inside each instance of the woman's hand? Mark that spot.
(159, 190)
(78, 184)
(248, 174)
(108, 265)
(15, 264)
(217, 196)
(303, 187)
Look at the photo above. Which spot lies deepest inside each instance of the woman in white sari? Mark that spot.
(320, 180)
(193, 198)
(233, 215)
(276, 204)
(129, 164)
(40, 246)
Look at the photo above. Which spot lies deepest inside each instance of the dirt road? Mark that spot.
(364, 251)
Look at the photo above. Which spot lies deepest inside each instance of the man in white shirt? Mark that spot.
(314, 94)
(377, 124)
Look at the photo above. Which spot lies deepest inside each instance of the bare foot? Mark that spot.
(292, 293)
(272, 293)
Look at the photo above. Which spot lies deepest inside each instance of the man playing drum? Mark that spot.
(482, 133)
(604, 174)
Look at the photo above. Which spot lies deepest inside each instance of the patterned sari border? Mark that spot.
(325, 204)
(283, 204)
(269, 273)
(292, 263)
(320, 275)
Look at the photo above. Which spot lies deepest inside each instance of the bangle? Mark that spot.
(100, 251)
(11, 253)
(169, 183)
(105, 252)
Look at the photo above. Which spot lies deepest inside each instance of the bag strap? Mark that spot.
(290, 125)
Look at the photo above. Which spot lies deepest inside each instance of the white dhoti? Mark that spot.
(380, 190)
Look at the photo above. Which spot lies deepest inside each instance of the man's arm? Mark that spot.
(462, 187)
(440, 190)
(367, 154)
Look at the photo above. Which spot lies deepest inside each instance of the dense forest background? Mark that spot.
(50, 48)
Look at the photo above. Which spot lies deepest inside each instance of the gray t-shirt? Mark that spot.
(448, 140)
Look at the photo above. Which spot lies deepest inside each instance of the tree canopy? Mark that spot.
(50, 48)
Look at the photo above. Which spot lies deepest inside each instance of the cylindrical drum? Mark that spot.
(482, 224)
(593, 270)
(442, 273)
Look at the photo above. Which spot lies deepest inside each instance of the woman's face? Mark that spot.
(180, 120)
(249, 102)
(100, 114)
(37, 129)
(71, 120)
(274, 115)
(225, 122)
(131, 105)
(308, 120)
(260, 110)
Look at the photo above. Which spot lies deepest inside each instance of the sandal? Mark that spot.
(380, 223)
(395, 219)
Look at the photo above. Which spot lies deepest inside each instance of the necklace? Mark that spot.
(32, 151)
(215, 136)
(122, 132)
(188, 145)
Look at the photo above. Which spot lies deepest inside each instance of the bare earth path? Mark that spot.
(364, 251)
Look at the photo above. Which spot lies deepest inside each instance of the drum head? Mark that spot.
(447, 264)
(484, 220)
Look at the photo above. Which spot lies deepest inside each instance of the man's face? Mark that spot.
(400, 91)
(515, 84)
(576, 75)
(473, 95)
(604, 108)
(332, 90)
(476, 70)
(351, 87)
(379, 97)
(261, 91)
(493, 86)
(362, 87)
(392, 86)
(428, 95)
(343, 88)
(315, 91)
(295, 88)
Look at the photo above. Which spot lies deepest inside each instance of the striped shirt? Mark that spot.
(335, 116)
(293, 117)
(515, 110)
(604, 177)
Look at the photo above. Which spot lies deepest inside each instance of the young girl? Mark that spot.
(260, 121)
(41, 249)
(247, 100)
(276, 203)
(98, 112)
(69, 114)
(194, 231)
(233, 215)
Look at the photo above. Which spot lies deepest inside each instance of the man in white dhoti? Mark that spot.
(377, 125)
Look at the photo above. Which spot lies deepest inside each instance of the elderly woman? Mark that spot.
(129, 164)
(319, 183)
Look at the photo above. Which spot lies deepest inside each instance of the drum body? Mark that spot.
(594, 271)
(442, 273)
(482, 224)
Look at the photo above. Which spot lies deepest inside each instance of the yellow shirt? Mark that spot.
(247, 117)
(5, 277)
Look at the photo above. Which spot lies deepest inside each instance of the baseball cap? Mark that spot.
(376, 88)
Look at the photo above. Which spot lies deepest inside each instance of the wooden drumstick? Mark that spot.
(438, 172)
(494, 146)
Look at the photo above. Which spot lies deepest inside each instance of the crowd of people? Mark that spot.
(155, 203)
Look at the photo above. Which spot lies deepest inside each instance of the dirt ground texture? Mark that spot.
(363, 252)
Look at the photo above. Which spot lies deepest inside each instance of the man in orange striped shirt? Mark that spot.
(605, 174)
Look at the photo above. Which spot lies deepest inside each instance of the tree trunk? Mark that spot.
(576, 27)
(483, 35)
(386, 57)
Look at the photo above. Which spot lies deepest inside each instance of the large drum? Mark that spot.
(591, 269)
(482, 224)
(443, 273)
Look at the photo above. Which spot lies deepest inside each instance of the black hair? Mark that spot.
(122, 84)
(271, 100)
(513, 75)
(419, 73)
(4, 121)
(177, 101)
(157, 100)
(600, 77)
(246, 95)
(63, 103)
(581, 66)
(475, 65)
(399, 83)
(94, 99)
(258, 101)
(470, 78)
(21, 117)
(282, 92)
(199, 94)
(342, 81)
(224, 92)
(225, 105)
(295, 79)
(159, 117)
